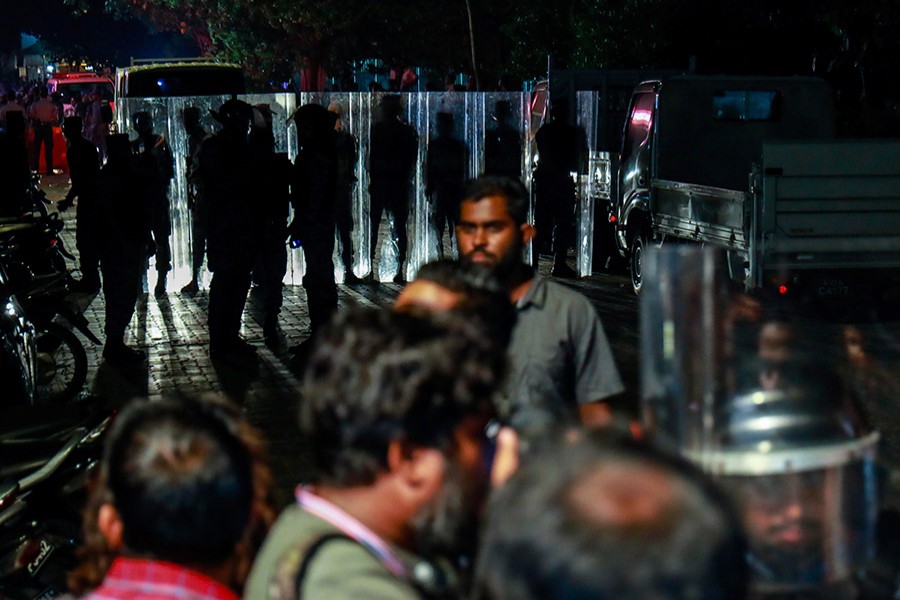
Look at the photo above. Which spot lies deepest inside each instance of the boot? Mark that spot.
(117, 353)
(89, 284)
(270, 331)
(191, 288)
(160, 289)
(564, 271)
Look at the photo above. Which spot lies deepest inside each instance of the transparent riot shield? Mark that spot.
(353, 112)
(166, 114)
(447, 165)
(475, 115)
(758, 395)
(594, 187)
(467, 134)
(496, 116)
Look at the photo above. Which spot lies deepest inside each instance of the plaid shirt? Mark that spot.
(138, 579)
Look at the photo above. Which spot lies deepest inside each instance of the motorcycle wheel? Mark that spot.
(61, 364)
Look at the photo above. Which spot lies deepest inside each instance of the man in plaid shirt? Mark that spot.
(179, 490)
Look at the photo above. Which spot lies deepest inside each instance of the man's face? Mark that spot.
(487, 234)
(785, 519)
(448, 524)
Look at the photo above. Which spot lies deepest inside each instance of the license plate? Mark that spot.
(832, 288)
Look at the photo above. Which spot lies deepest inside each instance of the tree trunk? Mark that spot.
(472, 45)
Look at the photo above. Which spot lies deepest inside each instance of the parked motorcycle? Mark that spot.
(45, 460)
(18, 352)
(33, 259)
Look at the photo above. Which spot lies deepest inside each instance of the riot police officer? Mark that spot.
(155, 168)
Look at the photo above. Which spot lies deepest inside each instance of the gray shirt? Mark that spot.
(559, 358)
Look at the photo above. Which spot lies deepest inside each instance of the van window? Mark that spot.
(167, 81)
(639, 122)
(744, 105)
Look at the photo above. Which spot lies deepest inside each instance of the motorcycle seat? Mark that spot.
(9, 229)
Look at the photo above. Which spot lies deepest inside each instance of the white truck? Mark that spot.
(751, 164)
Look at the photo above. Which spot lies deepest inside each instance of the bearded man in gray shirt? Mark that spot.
(562, 369)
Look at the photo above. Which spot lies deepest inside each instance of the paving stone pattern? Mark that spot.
(172, 329)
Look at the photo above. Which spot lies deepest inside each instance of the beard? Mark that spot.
(447, 527)
(507, 267)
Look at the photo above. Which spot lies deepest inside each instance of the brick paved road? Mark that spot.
(173, 331)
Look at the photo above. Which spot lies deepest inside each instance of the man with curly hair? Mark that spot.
(395, 407)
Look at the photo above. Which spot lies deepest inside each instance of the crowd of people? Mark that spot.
(44, 111)
(463, 442)
(462, 445)
(420, 487)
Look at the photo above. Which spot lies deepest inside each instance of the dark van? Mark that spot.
(154, 78)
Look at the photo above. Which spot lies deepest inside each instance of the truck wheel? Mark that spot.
(635, 261)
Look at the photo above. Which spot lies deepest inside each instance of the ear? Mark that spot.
(110, 525)
(528, 232)
(419, 470)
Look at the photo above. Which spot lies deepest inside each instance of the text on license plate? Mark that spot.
(832, 287)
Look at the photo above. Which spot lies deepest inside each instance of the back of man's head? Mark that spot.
(378, 377)
(474, 290)
(604, 517)
(180, 480)
(142, 122)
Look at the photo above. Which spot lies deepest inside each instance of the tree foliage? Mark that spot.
(275, 38)
(83, 30)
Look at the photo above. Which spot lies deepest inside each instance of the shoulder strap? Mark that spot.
(285, 583)
(433, 585)
(309, 554)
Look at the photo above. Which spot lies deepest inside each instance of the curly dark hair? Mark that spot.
(377, 376)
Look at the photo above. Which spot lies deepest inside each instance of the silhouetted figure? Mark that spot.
(503, 145)
(15, 174)
(394, 148)
(84, 170)
(445, 175)
(560, 147)
(347, 153)
(44, 117)
(313, 189)
(125, 244)
(273, 195)
(225, 164)
(197, 202)
(97, 118)
(10, 106)
(156, 167)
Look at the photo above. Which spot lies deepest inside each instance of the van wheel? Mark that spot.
(636, 260)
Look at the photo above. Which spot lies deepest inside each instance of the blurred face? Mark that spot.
(774, 353)
(855, 346)
(487, 234)
(448, 524)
